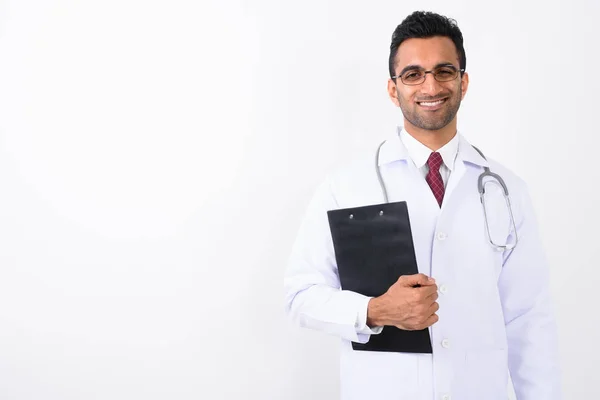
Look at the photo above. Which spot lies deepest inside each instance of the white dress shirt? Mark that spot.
(419, 154)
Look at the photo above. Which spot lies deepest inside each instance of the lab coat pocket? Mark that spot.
(487, 372)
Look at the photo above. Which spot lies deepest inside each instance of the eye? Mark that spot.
(412, 75)
(445, 72)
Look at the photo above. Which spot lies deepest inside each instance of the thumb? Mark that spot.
(416, 279)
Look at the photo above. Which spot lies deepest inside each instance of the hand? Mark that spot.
(409, 304)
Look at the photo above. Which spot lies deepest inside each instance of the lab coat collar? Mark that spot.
(468, 154)
(394, 150)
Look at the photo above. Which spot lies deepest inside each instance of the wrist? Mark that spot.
(375, 312)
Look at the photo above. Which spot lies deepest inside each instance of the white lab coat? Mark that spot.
(495, 307)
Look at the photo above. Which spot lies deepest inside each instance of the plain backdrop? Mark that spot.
(156, 158)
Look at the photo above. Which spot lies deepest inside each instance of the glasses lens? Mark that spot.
(444, 74)
(413, 76)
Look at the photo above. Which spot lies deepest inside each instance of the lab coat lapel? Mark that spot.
(455, 178)
(467, 157)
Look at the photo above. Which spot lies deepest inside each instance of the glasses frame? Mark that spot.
(431, 71)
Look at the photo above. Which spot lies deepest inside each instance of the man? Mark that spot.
(487, 308)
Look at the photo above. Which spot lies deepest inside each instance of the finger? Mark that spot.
(416, 279)
(433, 296)
(431, 320)
(433, 308)
(426, 291)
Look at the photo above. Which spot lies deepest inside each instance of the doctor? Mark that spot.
(488, 308)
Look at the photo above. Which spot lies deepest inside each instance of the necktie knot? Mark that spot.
(435, 161)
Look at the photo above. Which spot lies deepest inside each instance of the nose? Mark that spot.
(430, 86)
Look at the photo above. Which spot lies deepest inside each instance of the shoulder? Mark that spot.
(354, 180)
(513, 180)
(518, 188)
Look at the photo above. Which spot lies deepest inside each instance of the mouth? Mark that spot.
(432, 105)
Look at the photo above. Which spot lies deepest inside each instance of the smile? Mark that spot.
(431, 105)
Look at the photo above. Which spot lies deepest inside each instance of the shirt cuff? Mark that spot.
(361, 321)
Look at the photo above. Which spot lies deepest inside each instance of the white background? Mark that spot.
(156, 158)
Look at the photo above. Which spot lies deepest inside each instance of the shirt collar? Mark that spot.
(394, 149)
(420, 153)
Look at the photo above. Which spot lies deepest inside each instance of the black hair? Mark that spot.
(425, 24)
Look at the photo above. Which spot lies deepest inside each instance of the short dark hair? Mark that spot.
(425, 24)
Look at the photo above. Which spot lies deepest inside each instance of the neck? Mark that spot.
(434, 140)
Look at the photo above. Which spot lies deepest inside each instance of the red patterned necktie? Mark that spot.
(433, 178)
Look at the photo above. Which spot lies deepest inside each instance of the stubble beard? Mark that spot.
(431, 121)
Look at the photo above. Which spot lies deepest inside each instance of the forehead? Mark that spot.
(426, 52)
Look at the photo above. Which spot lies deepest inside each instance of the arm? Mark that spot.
(530, 323)
(313, 295)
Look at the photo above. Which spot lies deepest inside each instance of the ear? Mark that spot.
(393, 92)
(464, 84)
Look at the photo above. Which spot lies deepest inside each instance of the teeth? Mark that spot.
(431, 104)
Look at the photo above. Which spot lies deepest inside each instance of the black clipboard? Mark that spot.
(373, 247)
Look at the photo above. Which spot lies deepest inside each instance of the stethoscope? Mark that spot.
(496, 179)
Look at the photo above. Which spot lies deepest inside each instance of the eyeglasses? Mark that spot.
(417, 76)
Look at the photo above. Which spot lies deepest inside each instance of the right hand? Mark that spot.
(409, 304)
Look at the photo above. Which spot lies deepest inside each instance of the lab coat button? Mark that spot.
(443, 289)
(446, 397)
(441, 236)
(445, 343)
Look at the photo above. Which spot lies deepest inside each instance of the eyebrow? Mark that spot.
(413, 66)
